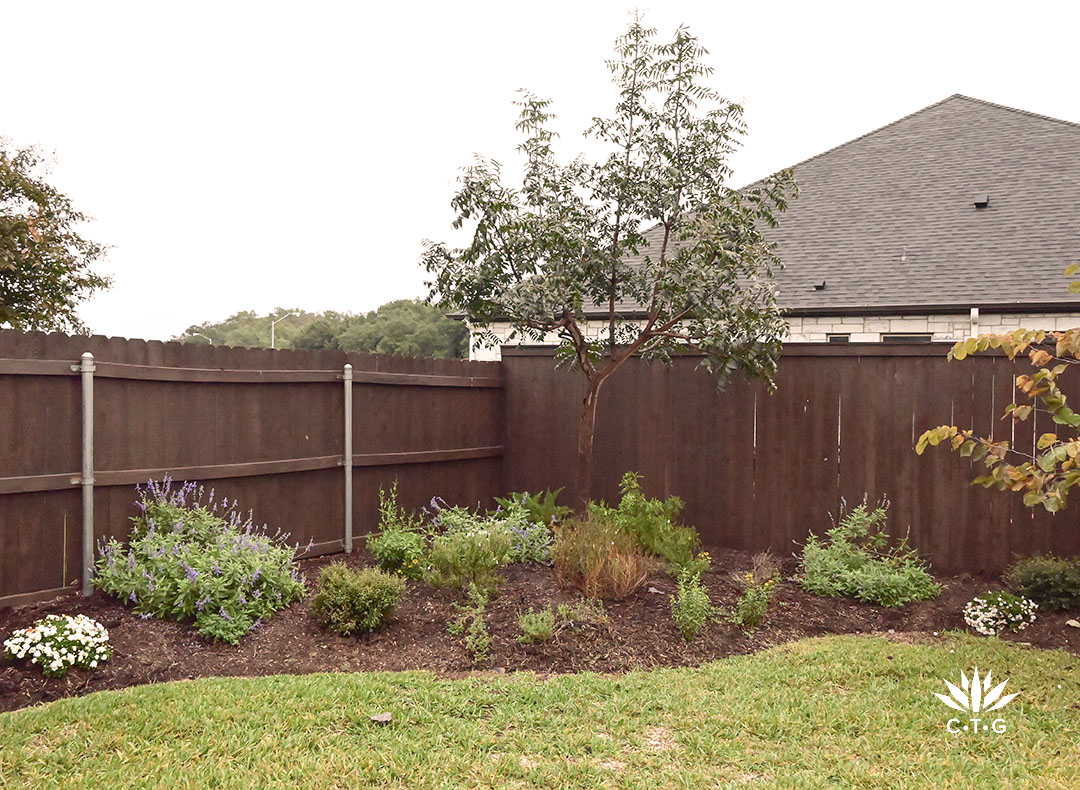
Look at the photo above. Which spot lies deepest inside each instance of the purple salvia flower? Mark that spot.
(224, 614)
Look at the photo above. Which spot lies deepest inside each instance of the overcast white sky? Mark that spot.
(248, 155)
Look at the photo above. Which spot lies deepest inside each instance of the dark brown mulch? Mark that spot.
(640, 633)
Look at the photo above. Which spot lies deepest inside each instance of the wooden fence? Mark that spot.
(267, 428)
(263, 427)
(761, 471)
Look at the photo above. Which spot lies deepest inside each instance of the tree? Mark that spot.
(405, 327)
(571, 239)
(1046, 475)
(45, 265)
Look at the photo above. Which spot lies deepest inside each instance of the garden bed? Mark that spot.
(640, 633)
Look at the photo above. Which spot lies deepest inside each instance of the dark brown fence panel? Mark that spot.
(762, 471)
(263, 427)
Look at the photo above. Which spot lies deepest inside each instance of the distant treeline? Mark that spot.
(406, 327)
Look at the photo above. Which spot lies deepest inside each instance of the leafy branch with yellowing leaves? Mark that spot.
(1046, 476)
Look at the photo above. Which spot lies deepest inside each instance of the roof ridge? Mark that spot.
(1015, 109)
(912, 115)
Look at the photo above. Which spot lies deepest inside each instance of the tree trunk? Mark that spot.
(586, 426)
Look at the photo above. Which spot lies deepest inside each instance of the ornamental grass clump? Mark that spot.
(858, 560)
(58, 642)
(994, 612)
(351, 601)
(600, 559)
(189, 559)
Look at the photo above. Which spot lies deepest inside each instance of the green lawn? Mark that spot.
(833, 712)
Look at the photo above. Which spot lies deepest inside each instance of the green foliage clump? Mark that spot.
(691, 608)
(1051, 582)
(857, 561)
(600, 559)
(188, 560)
(399, 546)
(754, 602)
(471, 625)
(472, 557)
(651, 522)
(350, 601)
(541, 508)
(536, 626)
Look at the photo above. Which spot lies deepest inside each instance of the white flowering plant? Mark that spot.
(993, 612)
(59, 642)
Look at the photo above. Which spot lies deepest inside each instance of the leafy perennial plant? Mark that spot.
(189, 559)
(59, 642)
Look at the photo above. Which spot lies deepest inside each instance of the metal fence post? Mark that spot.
(86, 369)
(347, 376)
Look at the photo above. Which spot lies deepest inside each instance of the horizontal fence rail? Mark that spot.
(265, 428)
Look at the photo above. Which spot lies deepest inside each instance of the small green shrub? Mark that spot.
(992, 613)
(691, 608)
(399, 546)
(857, 561)
(459, 558)
(471, 625)
(600, 559)
(529, 541)
(584, 611)
(350, 601)
(543, 625)
(536, 626)
(188, 559)
(754, 602)
(696, 566)
(1051, 582)
(651, 522)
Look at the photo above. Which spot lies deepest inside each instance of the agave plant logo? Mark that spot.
(976, 698)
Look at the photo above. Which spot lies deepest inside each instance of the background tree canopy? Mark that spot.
(405, 327)
(45, 266)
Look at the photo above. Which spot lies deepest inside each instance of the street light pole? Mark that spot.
(273, 325)
(207, 338)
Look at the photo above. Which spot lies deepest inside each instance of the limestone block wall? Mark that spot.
(867, 329)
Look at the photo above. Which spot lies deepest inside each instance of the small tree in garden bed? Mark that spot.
(570, 240)
(187, 559)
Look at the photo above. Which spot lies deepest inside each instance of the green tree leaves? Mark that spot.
(649, 237)
(45, 265)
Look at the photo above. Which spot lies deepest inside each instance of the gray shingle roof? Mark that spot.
(888, 219)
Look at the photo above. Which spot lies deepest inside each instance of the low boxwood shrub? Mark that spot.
(994, 612)
(351, 601)
(651, 522)
(1051, 582)
(187, 559)
(59, 642)
(858, 560)
(600, 559)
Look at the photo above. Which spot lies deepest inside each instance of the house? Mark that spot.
(957, 219)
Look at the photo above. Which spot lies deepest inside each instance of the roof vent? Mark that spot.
(819, 286)
(982, 201)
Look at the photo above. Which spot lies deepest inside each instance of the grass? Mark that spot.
(830, 712)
